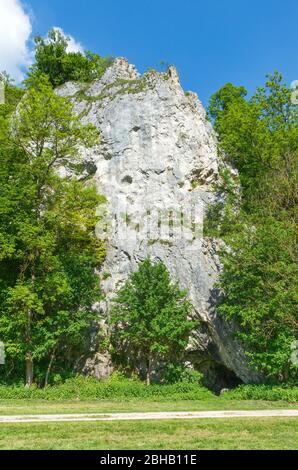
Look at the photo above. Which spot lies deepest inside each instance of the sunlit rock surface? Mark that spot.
(157, 164)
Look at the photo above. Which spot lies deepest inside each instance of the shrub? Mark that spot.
(88, 388)
(150, 320)
(174, 373)
(264, 392)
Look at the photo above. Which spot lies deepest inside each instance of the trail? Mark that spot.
(56, 418)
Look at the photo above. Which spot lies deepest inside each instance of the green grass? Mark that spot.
(248, 433)
(14, 407)
(238, 433)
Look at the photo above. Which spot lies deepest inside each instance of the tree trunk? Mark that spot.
(29, 370)
(148, 375)
(49, 369)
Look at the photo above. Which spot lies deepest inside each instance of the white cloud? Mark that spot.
(73, 45)
(16, 51)
(15, 32)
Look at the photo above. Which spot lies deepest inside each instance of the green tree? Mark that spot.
(260, 286)
(259, 137)
(12, 96)
(48, 248)
(224, 98)
(150, 318)
(53, 60)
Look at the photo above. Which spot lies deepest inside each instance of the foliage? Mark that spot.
(48, 250)
(88, 388)
(263, 392)
(223, 99)
(46, 129)
(174, 373)
(149, 320)
(220, 219)
(259, 137)
(260, 286)
(53, 60)
(13, 96)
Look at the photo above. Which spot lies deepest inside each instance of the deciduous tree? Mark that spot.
(150, 319)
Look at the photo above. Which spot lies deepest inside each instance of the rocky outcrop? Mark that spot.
(157, 164)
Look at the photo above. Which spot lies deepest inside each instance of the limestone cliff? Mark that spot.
(156, 164)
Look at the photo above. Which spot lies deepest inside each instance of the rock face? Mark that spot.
(156, 164)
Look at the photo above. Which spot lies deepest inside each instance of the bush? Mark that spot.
(149, 320)
(173, 373)
(88, 388)
(264, 392)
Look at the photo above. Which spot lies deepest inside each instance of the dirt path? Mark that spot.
(147, 416)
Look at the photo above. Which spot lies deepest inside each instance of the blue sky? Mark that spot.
(210, 42)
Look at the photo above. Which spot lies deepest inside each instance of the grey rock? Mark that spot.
(99, 366)
(157, 160)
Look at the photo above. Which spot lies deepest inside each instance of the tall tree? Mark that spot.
(48, 248)
(150, 319)
(259, 136)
